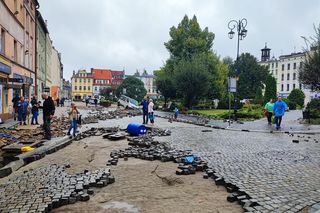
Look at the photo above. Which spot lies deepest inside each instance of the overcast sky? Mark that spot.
(129, 34)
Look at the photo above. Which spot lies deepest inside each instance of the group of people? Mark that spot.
(277, 109)
(148, 110)
(22, 109)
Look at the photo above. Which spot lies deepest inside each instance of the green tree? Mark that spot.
(192, 80)
(165, 84)
(188, 39)
(133, 88)
(258, 98)
(297, 96)
(271, 89)
(310, 72)
(106, 92)
(251, 76)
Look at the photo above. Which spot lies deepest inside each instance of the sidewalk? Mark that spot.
(290, 123)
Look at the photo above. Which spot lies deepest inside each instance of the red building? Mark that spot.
(101, 78)
(117, 78)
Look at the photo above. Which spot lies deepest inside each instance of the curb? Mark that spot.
(241, 130)
(26, 158)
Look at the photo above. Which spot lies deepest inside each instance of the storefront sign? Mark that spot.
(5, 68)
(17, 80)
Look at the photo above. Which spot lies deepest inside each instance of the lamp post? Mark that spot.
(238, 27)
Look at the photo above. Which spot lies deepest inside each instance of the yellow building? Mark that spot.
(81, 85)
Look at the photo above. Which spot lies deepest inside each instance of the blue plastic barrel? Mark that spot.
(136, 129)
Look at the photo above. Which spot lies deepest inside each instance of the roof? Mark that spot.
(292, 55)
(101, 74)
(117, 73)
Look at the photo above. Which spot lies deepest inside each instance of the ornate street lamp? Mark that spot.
(240, 28)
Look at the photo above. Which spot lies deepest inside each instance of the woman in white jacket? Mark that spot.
(150, 111)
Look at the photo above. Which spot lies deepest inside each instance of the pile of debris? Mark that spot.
(46, 188)
(27, 136)
(100, 114)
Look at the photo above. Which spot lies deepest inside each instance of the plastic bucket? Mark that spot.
(136, 129)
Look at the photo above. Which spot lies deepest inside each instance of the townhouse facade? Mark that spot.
(82, 83)
(102, 78)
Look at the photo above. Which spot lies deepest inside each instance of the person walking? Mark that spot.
(48, 112)
(22, 111)
(62, 101)
(15, 101)
(278, 110)
(35, 113)
(73, 115)
(95, 102)
(145, 104)
(87, 101)
(176, 113)
(58, 101)
(269, 111)
(151, 111)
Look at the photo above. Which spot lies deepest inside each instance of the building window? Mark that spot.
(21, 54)
(281, 87)
(75, 88)
(75, 80)
(288, 76)
(89, 88)
(276, 64)
(84, 88)
(288, 67)
(80, 88)
(95, 88)
(282, 77)
(89, 80)
(294, 76)
(293, 86)
(294, 65)
(272, 65)
(300, 86)
(15, 51)
(2, 41)
(282, 68)
(288, 87)
(300, 65)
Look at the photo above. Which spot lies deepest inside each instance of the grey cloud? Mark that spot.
(128, 34)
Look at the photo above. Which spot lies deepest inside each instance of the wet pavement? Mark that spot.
(290, 122)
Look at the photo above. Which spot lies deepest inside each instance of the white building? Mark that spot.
(149, 83)
(286, 71)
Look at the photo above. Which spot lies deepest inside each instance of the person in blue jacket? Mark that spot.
(278, 110)
(22, 110)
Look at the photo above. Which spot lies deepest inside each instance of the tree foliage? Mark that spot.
(166, 85)
(192, 80)
(251, 76)
(271, 89)
(106, 92)
(297, 96)
(193, 70)
(309, 74)
(134, 88)
(188, 39)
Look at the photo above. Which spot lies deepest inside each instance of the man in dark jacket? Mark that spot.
(48, 112)
(15, 101)
(145, 104)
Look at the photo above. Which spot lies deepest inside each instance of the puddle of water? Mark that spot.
(121, 205)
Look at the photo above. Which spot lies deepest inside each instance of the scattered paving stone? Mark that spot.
(46, 188)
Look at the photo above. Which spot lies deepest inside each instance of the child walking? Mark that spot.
(73, 115)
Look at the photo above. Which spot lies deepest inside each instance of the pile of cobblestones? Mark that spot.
(99, 114)
(46, 188)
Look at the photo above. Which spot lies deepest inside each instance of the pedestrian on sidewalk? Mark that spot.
(48, 112)
(15, 101)
(278, 109)
(95, 102)
(151, 111)
(58, 101)
(176, 113)
(145, 104)
(73, 116)
(22, 111)
(269, 111)
(35, 113)
(87, 101)
(62, 101)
